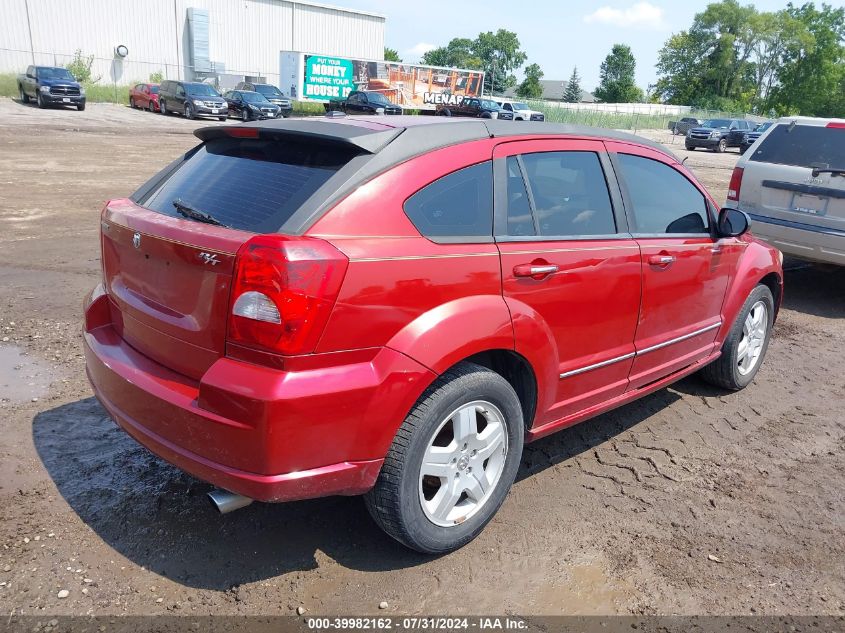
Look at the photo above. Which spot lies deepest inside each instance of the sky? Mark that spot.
(557, 35)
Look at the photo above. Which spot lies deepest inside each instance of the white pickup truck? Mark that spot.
(521, 112)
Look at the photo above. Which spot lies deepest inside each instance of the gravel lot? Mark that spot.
(690, 501)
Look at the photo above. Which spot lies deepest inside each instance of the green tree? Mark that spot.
(530, 88)
(617, 77)
(156, 77)
(391, 55)
(80, 67)
(500, 55)
(457, 53)
(811, 70)
(572, 93)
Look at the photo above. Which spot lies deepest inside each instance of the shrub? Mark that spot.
(157, 77)
(80, 67)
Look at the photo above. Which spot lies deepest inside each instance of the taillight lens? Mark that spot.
(283, 291)
(735, 184)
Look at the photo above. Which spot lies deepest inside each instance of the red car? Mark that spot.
(144, 96)
(301, 308)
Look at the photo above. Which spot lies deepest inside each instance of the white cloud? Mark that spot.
(641, 15)
(420, 49)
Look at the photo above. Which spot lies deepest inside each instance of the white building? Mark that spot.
(181, 39)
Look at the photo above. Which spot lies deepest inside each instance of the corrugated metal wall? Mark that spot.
(244, 35)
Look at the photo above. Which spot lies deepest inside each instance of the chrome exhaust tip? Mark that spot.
(227, 502)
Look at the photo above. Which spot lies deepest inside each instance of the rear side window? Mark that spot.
(664, 200)
(249, 184)
(456, 207)
(802, 146)
(569, 194)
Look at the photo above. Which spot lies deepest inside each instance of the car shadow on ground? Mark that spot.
(814, 288)
(159, 517)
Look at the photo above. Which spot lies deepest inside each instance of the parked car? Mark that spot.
(791, 182)
(717, 134)
(144, 96)
(50, 85)
(749, 138)
(684, 125)
(271, 93)
(191, 99)
(478, 107)
(363, 102)
(392, 307)
(248, 106)
(520, 111)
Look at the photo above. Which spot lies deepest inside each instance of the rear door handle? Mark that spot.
(661, 260)
(537, 271)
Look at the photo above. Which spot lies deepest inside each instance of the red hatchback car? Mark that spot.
(343, 306)
(144, 96)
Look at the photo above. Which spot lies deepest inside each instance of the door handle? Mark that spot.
(661, 260)
(537, 271)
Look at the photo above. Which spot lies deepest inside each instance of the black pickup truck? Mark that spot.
(363, 102)
(718, 134)
(49, 85)
(475, 107)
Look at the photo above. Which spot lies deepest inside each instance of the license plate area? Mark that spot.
(65, 100)
(809, 204)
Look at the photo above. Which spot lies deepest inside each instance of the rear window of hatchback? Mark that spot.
(803, 146)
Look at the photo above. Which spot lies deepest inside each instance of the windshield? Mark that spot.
(717, 123)
(154, 90)
(268, 90)
(490, 105)
(377, 97)
(519, 106)
(762, 127)
(201, 90)
(253, 97)
(55, 73)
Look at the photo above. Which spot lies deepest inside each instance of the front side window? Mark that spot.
(568, 192)
(663, 200)
(456, 206)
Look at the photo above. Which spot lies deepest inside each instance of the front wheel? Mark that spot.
(690, 148)
(132, 104)
(452, 461)
(244, 115)
(722, 146)
(162, 107)
(80, 107)
(189, 111)
(40, 101)
(746, 344)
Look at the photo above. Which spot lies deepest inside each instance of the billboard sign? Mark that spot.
(310, 77)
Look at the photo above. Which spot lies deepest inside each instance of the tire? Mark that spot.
(468, 393)
(40, 101)
(446, 112)
(721, 147)
(23, 95)
(189, 112)
(486, 115)
(162, 106)
(151, 107)
(244, 115)
(726, 371)
(132, 104)
(80, 107)
(690, 148)
(222, 118)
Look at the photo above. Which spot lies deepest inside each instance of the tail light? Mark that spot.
(735, 184)
(283, 291)
(836, 124)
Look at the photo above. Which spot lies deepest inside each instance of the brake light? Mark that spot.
(283, 291)
(735, 184)
(836, 124)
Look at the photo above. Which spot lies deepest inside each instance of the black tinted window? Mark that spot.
(664, 200)
(803, 145)
(249, 184)
(520, 220)
(457, 205)
(569, 193)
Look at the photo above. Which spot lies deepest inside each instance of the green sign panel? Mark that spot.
(327, 78)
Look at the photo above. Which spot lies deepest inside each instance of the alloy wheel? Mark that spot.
(753, 338)
(463, 463)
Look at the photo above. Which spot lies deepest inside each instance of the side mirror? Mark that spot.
(30, 75)
(732, 223)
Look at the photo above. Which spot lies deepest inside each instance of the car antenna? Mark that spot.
(684, 161)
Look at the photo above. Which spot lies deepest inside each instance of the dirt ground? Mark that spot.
(690, 501)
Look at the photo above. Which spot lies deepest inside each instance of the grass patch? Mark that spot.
(8, 85)
(308, 108)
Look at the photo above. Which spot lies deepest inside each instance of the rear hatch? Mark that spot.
(169, 276)
(797, 174)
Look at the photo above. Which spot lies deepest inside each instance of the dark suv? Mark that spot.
(718, 134)
(271, 93)
(476, 107)
(192, 99)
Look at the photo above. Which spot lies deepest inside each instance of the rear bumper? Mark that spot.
(802, 240)
(268, 434)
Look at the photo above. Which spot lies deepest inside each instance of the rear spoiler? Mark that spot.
(365, 139)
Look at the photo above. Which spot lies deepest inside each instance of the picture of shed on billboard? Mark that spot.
(309, 77)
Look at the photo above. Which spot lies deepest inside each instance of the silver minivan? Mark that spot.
(791, 182)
